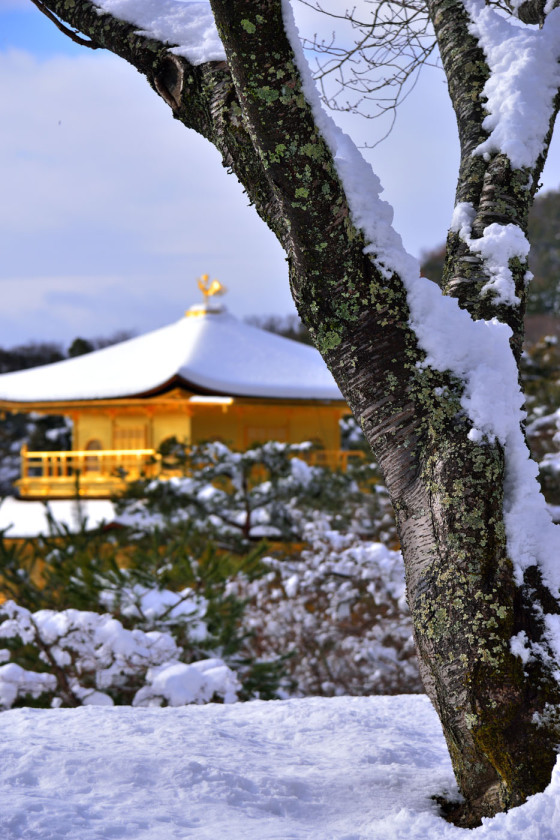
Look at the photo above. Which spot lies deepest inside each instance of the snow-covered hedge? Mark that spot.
(91, 659)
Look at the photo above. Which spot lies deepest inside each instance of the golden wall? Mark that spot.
(238, 425)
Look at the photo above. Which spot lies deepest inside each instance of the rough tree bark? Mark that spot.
(447, 491)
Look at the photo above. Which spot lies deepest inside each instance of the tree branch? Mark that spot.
(530, 11)
(59, 25)
(497, 192)
(391, 44)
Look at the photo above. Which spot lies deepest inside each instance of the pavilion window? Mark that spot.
(130, 437)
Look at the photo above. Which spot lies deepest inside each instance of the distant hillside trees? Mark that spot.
(35, 353)
(80, 346)
(29, 355)
(289, 326)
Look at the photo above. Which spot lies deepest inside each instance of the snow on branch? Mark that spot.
(369, 212)
(189, 27)
(524, 80)
(497, 246)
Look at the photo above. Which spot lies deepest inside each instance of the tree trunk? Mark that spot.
(497, 713)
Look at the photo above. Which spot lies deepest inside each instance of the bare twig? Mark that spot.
(377, 70)
(72, 34)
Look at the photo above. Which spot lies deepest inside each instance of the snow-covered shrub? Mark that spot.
(171, 581)
(543, 434)
(339, 609)
(178, 684)
(17, 683)
(90, 659)
(351, 435)
(150, 608)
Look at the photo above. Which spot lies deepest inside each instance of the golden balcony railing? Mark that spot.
(336, 459)
(90, 473)
(100, 473)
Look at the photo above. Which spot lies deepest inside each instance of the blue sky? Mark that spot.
(111, 209)
(22, 26)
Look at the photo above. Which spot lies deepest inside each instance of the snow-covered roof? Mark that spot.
(209, 352)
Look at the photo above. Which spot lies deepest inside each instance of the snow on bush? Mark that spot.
(159, 607)
(92, 659)
(16, 682)
(240, 495)
(179, 684)
(339, 610)
(335, 609)
(325, 615)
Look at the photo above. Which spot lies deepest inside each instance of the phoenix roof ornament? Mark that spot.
(210, 288)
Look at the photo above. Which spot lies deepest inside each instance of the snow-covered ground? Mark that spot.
(22, 519)
(346, 768)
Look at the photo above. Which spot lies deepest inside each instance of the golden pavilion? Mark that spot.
(206, 377)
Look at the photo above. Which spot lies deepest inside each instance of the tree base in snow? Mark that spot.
(457, 813)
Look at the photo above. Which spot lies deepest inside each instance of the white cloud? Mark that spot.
(98, 180)
(105, 195)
